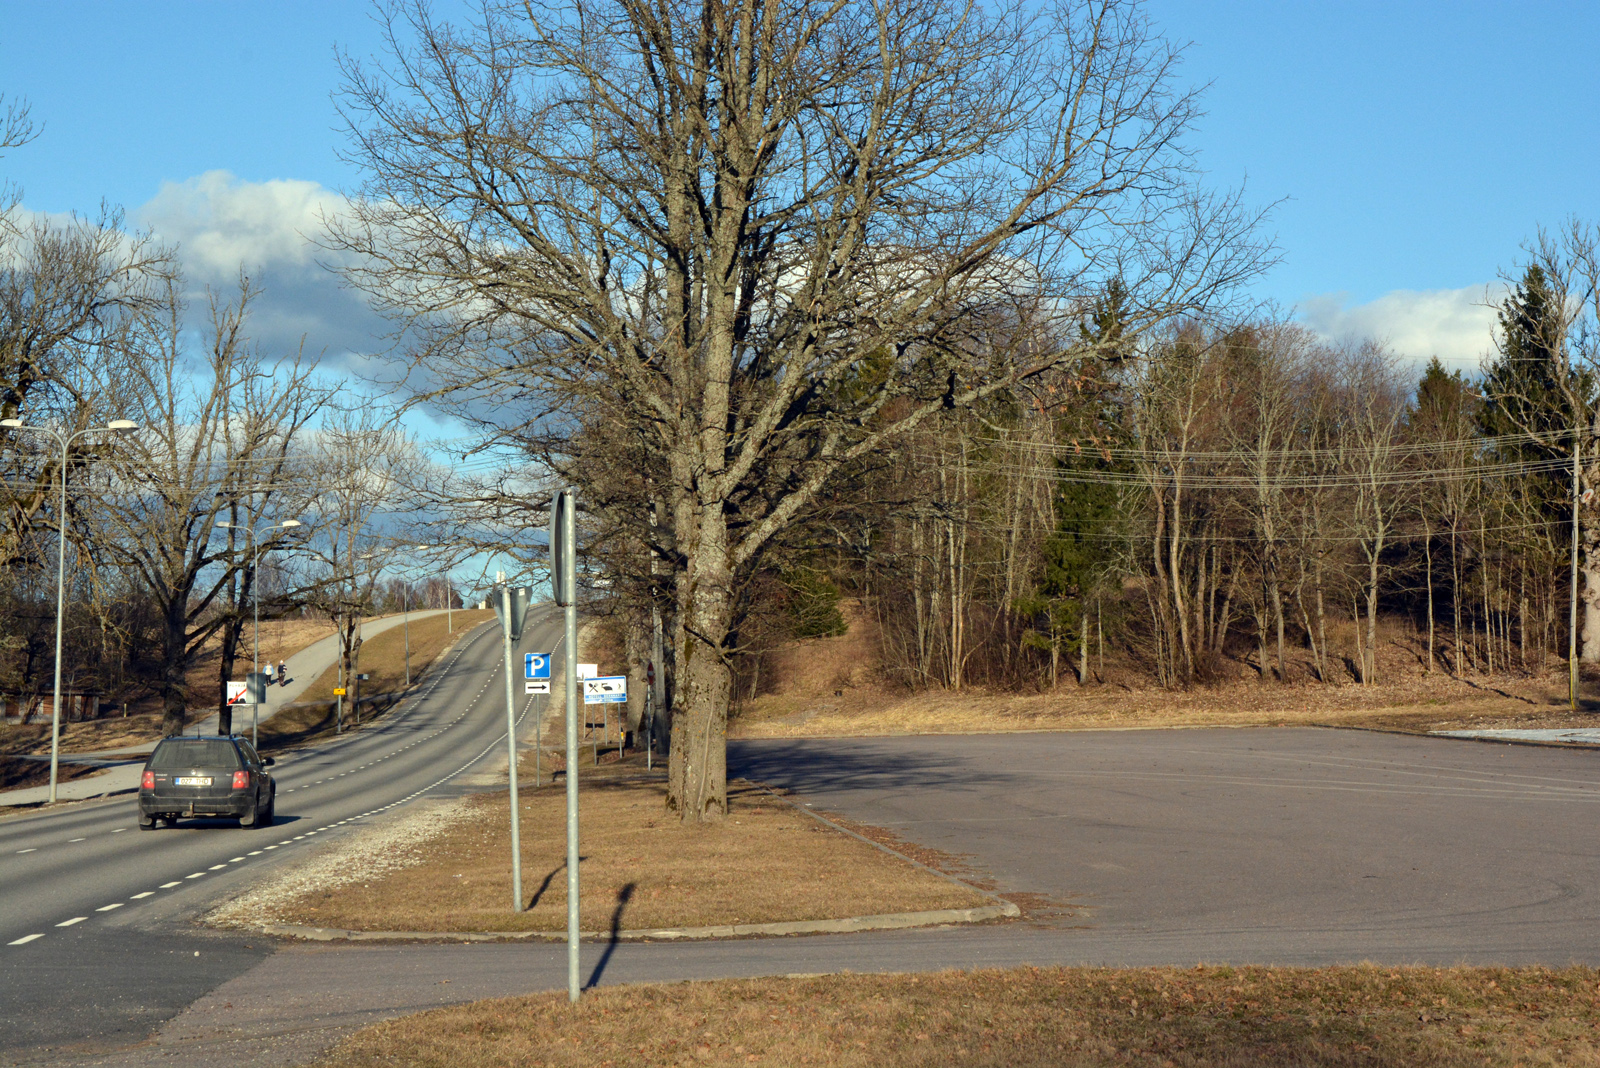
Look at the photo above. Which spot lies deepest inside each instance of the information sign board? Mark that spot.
(605, 690)
(536, 666)
(536, 686)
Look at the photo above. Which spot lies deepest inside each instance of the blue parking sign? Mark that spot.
(536, 666)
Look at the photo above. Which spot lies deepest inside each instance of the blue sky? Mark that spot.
(1418, 145)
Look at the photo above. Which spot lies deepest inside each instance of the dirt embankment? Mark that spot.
(836, 686)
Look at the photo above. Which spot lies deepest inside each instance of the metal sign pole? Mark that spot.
(564, 576)
(511, 745)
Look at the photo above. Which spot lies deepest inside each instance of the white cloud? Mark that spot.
(1455, 325)
(222, 225)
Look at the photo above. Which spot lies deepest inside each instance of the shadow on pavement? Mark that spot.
(857, 764)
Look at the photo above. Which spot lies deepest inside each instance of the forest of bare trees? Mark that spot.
(1250, 500)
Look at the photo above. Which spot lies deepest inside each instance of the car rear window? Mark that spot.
(194, 753)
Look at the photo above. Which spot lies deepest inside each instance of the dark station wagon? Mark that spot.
(206, 776)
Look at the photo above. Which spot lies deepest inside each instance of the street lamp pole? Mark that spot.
(116, 426)
(255, 604)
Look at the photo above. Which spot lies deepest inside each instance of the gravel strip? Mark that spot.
(369, 851)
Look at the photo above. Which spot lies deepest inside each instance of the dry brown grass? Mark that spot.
(642, 868)
(1026, 1018)
(314, 715)
(383, 656)
(833, 687)
(17, 774)
(280, 639)
(112, 732)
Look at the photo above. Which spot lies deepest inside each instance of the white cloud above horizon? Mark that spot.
(1456, 325)
(271, 231)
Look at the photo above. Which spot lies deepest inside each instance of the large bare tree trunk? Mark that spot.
(698, 769)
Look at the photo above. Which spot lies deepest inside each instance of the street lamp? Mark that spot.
(255, 598)
(116, 426)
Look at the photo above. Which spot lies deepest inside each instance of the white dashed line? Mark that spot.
(214, 867)
(71, 840)
(272, 847)
(108, 908)
(169, 886)
(119, 830)
(35, 849)
(147, 893)
(69, 923)
(196, 875)
(24, 940)
(253, 853)
(235, 860)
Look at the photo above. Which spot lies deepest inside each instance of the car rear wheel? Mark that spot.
(146, 823)
(272, 811)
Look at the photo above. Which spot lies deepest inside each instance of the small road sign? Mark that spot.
(338, 691)
(536, 686)
(237, 691)
(606, 690)
(588, 671)
(536, 666)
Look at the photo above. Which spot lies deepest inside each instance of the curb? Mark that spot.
(886, 922)
(1531, 743)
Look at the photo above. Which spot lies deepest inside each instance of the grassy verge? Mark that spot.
(18, 774)
(1422, 704)
(112, 732)
(383, 656)
(1022, 1018)
(642, 868)
(314, 715)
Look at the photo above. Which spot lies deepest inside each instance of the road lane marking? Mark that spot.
(253, 853)
(24, 940)
(214, 867)
(147, 893)
(34, 849)
(169, 886)
(119, 830)
(108, 908)
(272, 847)
(71, 840)
(235, 860)
(75, 919)
(196, 875)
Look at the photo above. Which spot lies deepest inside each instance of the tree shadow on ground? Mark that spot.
(864, 764)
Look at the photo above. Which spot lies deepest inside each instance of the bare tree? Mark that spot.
(217, 443)
(362, 462)
(759, 235)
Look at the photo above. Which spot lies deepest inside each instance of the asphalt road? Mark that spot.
(1272, 846)
(94, 950)
(1292, 845)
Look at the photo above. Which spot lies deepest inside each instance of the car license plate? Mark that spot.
(193, 780)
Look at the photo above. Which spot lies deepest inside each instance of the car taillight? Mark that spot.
(149, 781)
(241, 779)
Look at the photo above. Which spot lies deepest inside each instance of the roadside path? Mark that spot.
(304, 668)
